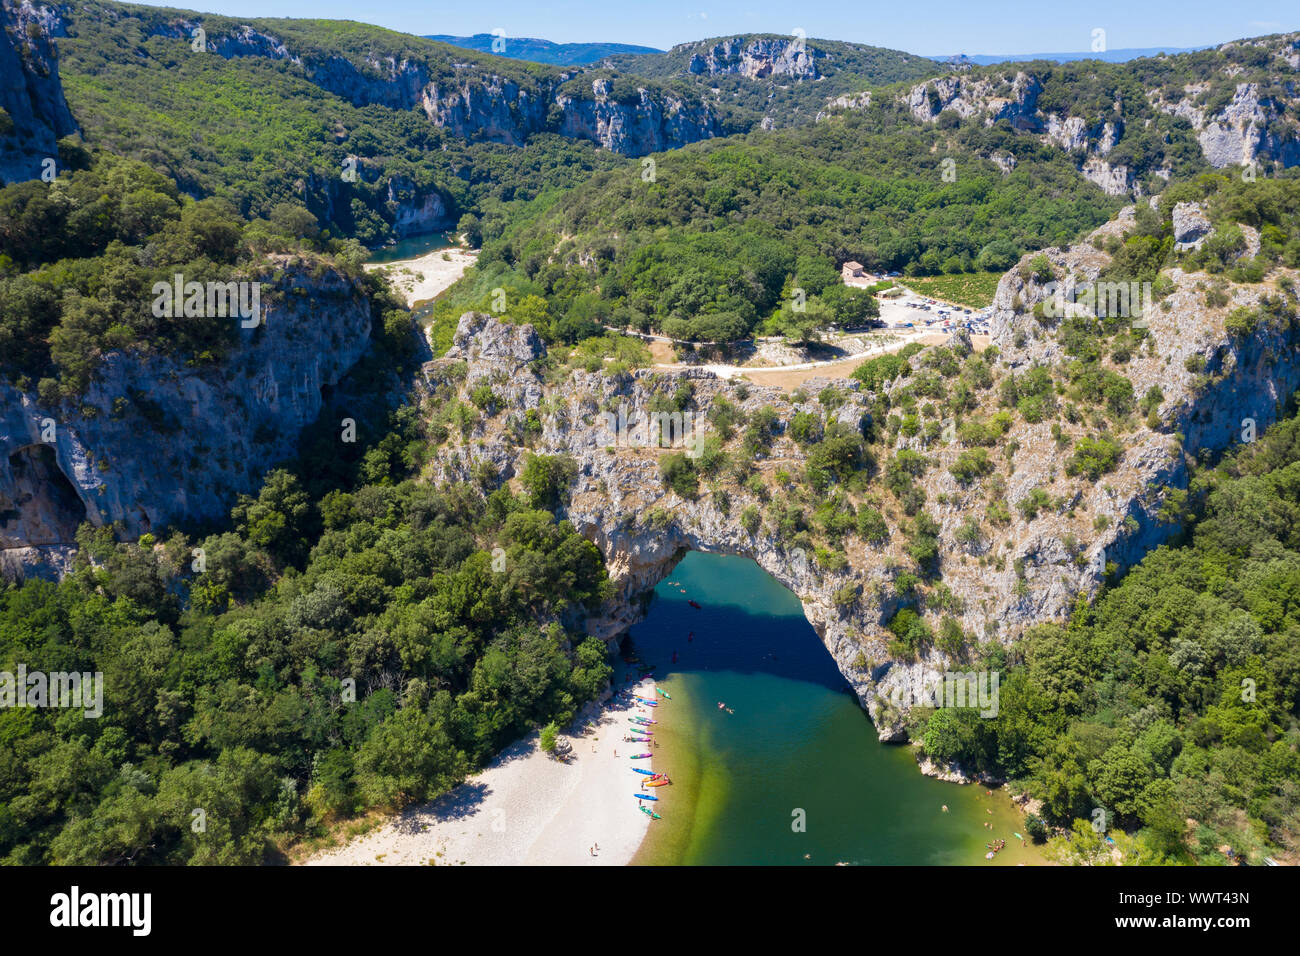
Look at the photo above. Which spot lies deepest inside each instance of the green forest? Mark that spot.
(716, 242)
(356, 648)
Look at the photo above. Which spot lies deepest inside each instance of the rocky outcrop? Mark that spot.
(1191, 227)
(156, 442)
(1250, 129)
(1034, 567)
(33, 112)
(648, 126)
(755, 58)
(488, 106)
(1256, 126)
(419, 210)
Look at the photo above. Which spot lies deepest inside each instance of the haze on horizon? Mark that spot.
(942, 27)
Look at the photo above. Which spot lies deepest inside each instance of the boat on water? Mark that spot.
(694, 605)
(662, 692)
(650, 813)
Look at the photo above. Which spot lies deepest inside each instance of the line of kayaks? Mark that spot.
(641, 726)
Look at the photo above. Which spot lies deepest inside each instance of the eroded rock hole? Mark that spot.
(40, 506)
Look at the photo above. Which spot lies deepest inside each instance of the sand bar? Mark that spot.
(424, 277)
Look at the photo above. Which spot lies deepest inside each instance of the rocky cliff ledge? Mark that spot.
(33, 113)
(156, 441)
(1001, 567)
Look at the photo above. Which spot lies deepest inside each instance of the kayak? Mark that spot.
(648, 703)
(640, 756)
(650, 813)
(1017, 835)
(642, 720)
(655, 783)
(693, 604)
(642, 770)
(662, 692)
(638, 740)
(645, 796)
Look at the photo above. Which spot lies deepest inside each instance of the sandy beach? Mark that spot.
(424, 277)
(527, 808)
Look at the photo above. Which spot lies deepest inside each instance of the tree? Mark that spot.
(408, 757)
(546, 479)
(549, 735)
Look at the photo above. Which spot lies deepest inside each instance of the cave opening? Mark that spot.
(41, 506)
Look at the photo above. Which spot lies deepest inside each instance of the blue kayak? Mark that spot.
(644, 796)
(640, 770)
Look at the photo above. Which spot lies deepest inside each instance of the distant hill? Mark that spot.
(774, 79)
(1110, 56)
(543, 51)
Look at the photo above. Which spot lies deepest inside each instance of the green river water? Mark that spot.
(412, 247)
(797, 747)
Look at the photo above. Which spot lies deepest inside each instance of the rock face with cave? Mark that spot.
(1020, 570)
(155, 442)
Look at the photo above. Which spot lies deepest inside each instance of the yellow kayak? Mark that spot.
(654, 783)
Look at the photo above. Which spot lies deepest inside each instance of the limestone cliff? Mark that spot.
(649, 125)
(1234, 120)
(33, 113)
(156, 441)
(1020, 566)
(755, 57)
(472, 99)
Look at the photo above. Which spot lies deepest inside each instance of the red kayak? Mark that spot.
(694, 605)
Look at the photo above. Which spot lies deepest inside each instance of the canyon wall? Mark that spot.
(156, 441)
(1031, 569)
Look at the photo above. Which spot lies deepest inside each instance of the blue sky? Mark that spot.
(921, 26)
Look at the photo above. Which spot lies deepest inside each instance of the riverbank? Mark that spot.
(425, 277)
(526, 807)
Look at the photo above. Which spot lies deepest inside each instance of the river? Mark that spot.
(792, 771)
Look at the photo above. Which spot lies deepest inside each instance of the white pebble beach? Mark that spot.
(527, 807)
